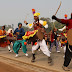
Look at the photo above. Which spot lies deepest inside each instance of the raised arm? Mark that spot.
(28, 25)
(63, 21)
(62, 28)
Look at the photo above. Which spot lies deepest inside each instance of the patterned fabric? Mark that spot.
(37, 25)
(3, 41)
(65, 34)
(3, 36)
(64, 42)
(29, 34)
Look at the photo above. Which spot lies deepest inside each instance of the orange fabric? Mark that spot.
(25, 43)
(3, 43)
(66, 41)
(35, 43)
(2, 32)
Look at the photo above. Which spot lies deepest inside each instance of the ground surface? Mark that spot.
(41, 64)
(8, 68)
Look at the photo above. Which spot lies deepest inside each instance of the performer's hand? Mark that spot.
(17, 33)
(54, 17)
(25, 22)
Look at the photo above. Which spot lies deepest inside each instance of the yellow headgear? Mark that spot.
(37, 14)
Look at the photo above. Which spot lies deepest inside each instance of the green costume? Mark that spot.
(16, 46)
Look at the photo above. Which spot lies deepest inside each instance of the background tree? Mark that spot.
(51, 25)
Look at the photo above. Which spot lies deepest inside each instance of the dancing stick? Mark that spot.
(58, 8)
(57, 11)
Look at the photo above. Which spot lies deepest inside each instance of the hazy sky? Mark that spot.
(14, 11)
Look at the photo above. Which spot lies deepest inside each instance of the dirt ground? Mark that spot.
(7, 68)
(41, 60)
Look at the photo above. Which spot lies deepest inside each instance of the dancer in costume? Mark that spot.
(19, 32)
(64, 35)
(37, 25)
(68, 54)
(54, 40)
(63, 38)
(45, 36)
(10, 34)
(3, 40)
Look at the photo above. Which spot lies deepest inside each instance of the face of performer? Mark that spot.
(20, 25)
(36, 18)
(11, 31)
(3, 27)
(42, 30)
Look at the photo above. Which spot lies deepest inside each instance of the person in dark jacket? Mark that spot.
(19, 32)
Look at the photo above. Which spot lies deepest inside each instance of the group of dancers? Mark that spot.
(38, 37)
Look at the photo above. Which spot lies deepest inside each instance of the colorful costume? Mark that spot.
(54, 41)
(29, 34)
(3, 41)
(19, 41)
(16, 46)
(63, 38)
(38, 25)
(46, 38)
(11, 38)
(68, 53)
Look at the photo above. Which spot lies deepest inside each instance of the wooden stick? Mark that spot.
(58, 8)
(57, 11)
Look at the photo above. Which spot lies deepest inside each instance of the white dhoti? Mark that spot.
(43, 47)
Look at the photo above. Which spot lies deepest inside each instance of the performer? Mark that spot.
(49, 36)
(37, 25)
(2, 31)
(63, 38)
(10, 34)
(55, 40)
(68, 54)
(46, 37)
(19, 32)
(3, 40)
